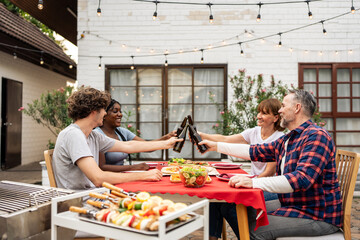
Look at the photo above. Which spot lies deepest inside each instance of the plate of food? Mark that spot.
(226, 176)
(226, 165)
(170, 170)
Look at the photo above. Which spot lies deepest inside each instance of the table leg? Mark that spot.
(243, 223)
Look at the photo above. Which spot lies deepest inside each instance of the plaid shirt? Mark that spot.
(310, 169)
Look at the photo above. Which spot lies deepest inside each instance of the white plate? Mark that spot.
(226, 165)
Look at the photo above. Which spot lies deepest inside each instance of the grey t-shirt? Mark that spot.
(71, 145)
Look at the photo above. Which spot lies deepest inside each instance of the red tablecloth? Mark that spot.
(217, 189)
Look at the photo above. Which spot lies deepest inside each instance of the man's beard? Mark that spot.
(284, 123)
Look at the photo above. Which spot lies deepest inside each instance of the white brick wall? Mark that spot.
(36, 80)
(186, 26)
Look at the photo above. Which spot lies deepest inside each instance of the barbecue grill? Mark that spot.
(25, 210)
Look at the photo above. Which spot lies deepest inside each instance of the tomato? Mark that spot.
(149, 213)
(200, 180)
(105, 216)
(163, 209)
(132, 220)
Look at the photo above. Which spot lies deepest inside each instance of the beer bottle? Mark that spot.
(178, 145)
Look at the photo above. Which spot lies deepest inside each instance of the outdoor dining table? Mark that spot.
(216, 191)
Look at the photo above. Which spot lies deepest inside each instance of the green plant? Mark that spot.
(126, 123)
(50, 110)
(248, 93)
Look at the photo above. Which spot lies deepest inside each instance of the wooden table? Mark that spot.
(216, 191)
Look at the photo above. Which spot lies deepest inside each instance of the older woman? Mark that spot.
(268, 130)
(114, 161)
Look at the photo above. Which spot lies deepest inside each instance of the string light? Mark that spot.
(324, 30)
(133, 65)
(99, 62)
(15, 55)
(309, 13)
(320, 53)
(352, 7)
(99, 10)
(241, 50)
(291, 50)
(209, 46)
(155, 13)
(211, 17)
(166, 61)
(280, 44)
(40, 5)
(41, 58)
(123, 45)
(138, 49)
(350, 51)
(337, 52)
(202, 56)
(71, 66)
(258, 19)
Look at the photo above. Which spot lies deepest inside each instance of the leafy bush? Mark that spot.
(248, 93)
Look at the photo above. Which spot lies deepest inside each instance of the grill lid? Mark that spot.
(16, 196)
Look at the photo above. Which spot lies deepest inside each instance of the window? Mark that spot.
(337, 90)
(159, 98)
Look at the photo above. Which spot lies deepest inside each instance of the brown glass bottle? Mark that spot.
(182, 126)
(195, 138)
(178, 145)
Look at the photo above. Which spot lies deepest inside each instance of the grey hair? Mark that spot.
(306, 99)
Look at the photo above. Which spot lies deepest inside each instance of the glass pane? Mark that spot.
(356, 105)
(329, 124)
(180, 95)
(356, 75)
(348, 124)
(324, 90)
(343, 105)
(343, 75)
(149, 77)
(150, 131)
(129, 113)
(178, 112)
(150, 155)
(309, 75)
(206, 113)
(150, 113)
(356, 90)
(311, 88)
(213, 76)
(186, 151)
(123, 77)
(206, 127)
(202, 94)
(343, 90)
(180, 76)
(150, 95)
(347, 138)
(325, 105)
(124, 95)
(324, 75)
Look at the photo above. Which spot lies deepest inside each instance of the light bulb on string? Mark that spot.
(320, 53)
(133, 65)
(241, 50)
(155, 13)
(166, 61)
(98, 11)
(211, 17)
(71, 66)
(352, 7)
(258, 18)
(209, 46)
(291, 50)
(99, 67)
(324, 30)
(15, 54)
(202, 56)
(280, 43)
(350, 51)
(41, 58)
(309, 12)
(336, 52)
(40, 5)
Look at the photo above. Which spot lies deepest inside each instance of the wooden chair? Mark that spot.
(48, 154)
(347, 166)
(48, 160)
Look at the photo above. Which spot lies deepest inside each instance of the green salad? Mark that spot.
(193, 176)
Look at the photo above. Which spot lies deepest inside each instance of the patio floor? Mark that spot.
(32, 173)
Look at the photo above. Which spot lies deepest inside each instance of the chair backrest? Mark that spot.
(347, 166)
(48, 154)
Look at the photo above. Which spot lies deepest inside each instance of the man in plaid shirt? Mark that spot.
(306, 180)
